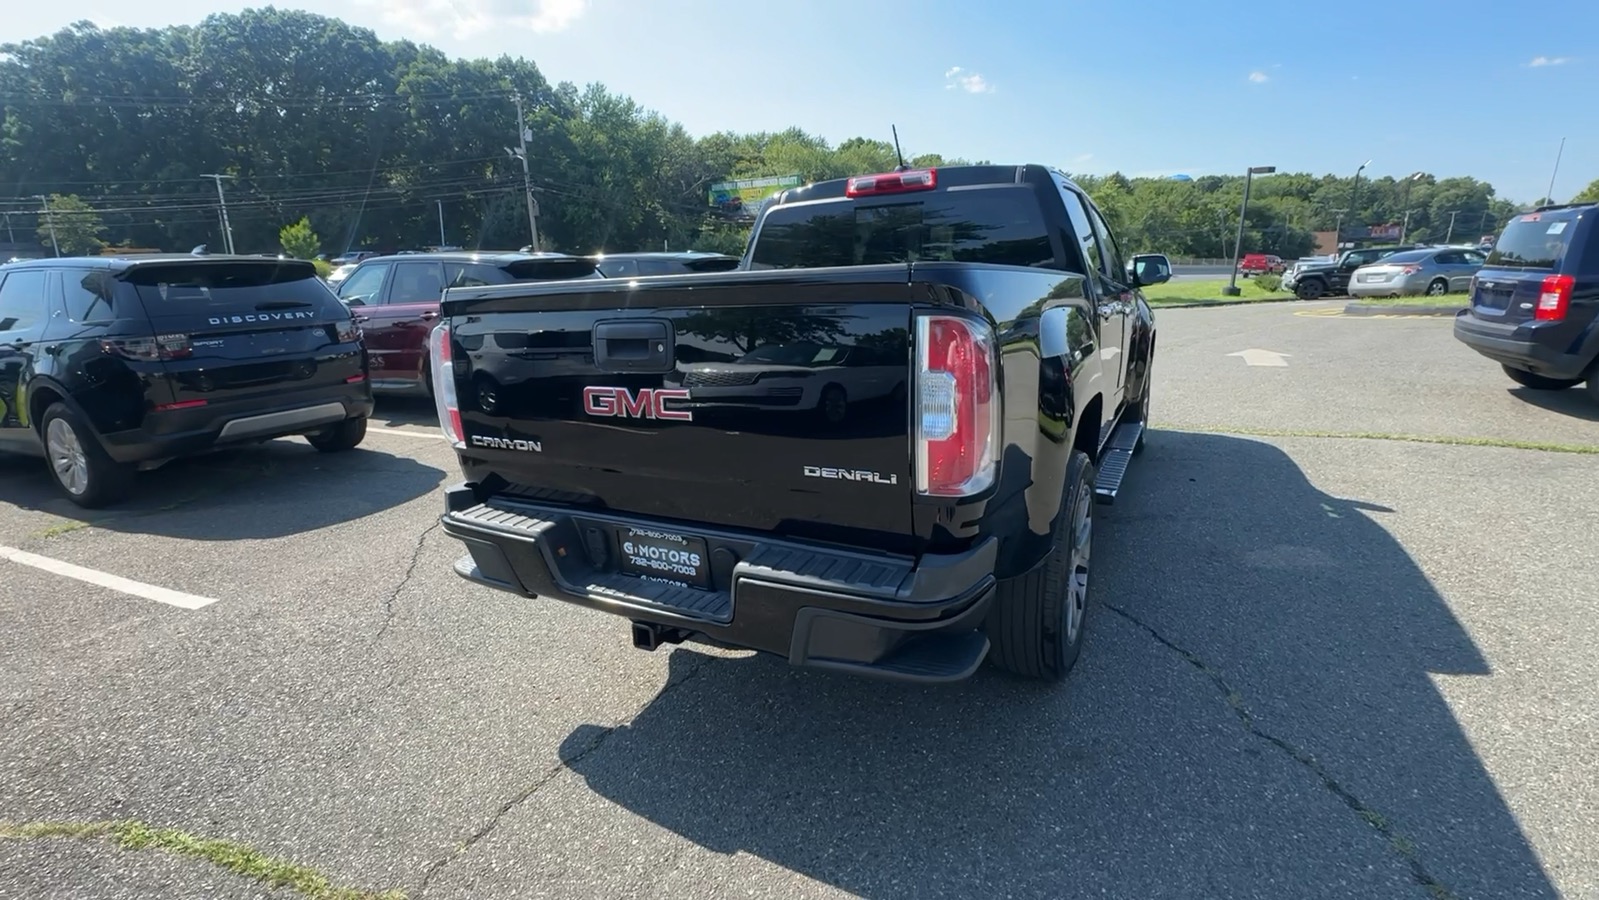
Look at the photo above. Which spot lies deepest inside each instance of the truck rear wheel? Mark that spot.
(1037, 621)
(1310, 289)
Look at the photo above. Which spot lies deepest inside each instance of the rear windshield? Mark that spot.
(1534, 240)
(985, 225)
(228, 287)
(1407, 256)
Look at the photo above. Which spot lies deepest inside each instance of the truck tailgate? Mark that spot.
(756, 401)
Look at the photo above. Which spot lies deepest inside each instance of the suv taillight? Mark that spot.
(441, 363)
(957, 406)
(1554, 298)
(150, 349)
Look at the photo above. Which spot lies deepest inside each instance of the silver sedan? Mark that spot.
(1434, 272)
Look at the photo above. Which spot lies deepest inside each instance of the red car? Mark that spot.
(1261, 264)
(396, 301)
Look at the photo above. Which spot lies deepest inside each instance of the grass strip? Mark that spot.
(239, 859)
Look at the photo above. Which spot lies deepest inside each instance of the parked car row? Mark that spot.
(1387, 271)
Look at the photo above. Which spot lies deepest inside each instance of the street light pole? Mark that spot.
(1451, 235)
(49, 219)
(1354, 191)
(442, 241)
(1409, 180)
(222, 203)
(1231, 290)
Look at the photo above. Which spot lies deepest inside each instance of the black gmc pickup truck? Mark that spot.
(875, 447)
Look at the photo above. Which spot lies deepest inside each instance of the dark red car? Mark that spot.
(396, 301)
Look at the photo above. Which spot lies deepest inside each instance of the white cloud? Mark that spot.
(463, 19)
(970, 82)
(1539, 61)
(1259, 77)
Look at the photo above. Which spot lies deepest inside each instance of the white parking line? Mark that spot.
(406, 432)
(106, 580)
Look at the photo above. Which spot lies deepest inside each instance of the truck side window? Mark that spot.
(1114, 270)
(1087, 242)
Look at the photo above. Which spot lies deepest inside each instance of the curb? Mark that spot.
(1362, 309)
(1240, 302)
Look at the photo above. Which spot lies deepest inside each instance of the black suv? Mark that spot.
(635, 265)
(113, 364)
(1535, 302)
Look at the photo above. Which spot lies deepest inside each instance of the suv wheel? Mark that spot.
(78, 463)
(1542, 382)
(1038, 619)
(1310, 289)
(346, 435)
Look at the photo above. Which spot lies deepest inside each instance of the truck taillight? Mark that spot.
(1554, 298)
(957, 406)
(441, 364)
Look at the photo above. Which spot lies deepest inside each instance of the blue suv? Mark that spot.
(1535, 302)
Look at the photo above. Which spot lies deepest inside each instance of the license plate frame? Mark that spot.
(659, 555)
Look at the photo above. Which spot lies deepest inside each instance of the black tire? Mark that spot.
(347, 435)
(1310, 289)
(78, 465)
(1030, 623)
(1542, 382)
(1437, 287)
(1140, 410)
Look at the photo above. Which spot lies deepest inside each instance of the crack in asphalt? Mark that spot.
(594, 744)
(1401, 845)
(410, 572)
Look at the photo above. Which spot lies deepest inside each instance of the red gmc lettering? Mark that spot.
(646, 403)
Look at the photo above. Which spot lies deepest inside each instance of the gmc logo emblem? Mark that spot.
(646, 403)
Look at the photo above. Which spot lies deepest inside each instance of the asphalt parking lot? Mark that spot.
(1324, 662)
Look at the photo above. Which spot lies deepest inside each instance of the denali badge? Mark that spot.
(479, 440)
(646, 403)
(850, 475)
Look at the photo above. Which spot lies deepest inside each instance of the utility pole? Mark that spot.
(527, 179)
(49, 218)
(1450, 236)
(1338, 230)
(222, 203)
(442, 242)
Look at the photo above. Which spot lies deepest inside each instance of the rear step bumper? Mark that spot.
(878, 616)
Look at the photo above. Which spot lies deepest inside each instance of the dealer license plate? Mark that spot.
(664, 556)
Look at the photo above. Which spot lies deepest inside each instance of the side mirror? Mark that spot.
(1149, 268)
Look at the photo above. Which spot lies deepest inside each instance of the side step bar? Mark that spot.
(1118, 456)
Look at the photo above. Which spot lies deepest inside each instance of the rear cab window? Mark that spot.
(1538, 240)
(1002, 224)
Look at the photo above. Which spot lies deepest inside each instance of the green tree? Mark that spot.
(298, 240)
(1589, 194)
(71, 226)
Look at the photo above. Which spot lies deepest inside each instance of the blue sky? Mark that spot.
(1147, 87)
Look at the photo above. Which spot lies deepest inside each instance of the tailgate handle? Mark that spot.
(634, 345)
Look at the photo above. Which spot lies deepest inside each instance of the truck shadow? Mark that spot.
(273, 489)
(1254, 715)
(1572, 402)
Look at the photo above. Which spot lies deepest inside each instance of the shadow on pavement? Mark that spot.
(1573, 402)
(272, 489)
(1253, 716)
(395, 410)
